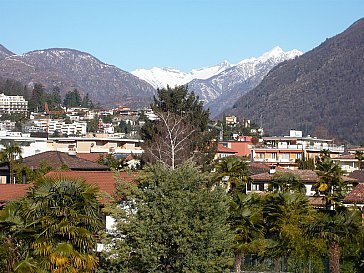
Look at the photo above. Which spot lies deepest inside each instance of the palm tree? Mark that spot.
(232, 171)
(284, 214)
(10, 154)
(330, 182)
(59, 218)
(286, 182)
(247, 224)
(333, 228)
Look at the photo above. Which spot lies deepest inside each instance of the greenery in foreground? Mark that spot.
(173, 221)
(179, 218)
(51, 229)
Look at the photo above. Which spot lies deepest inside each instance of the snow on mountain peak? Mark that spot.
(161, 77)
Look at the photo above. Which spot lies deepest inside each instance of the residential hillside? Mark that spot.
(69, 69)
(320, 92)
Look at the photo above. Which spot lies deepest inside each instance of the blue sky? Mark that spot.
(182, 34)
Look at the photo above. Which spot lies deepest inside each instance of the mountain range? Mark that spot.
(221, 85)
(320, 92)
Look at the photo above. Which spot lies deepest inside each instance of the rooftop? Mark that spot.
(57, 160)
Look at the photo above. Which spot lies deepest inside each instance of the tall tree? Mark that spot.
(38, 98)
(172, 222)
(333, 229)
(72, 99)
(174, 142)
(330, 182)
(177, 106)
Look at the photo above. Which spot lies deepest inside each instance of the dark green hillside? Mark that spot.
(320, 92)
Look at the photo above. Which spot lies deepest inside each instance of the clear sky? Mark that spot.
(182, 34)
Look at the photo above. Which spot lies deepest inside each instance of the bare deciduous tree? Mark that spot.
(174, 142)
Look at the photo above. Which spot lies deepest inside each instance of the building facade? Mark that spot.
(13, 104)
(284, 151)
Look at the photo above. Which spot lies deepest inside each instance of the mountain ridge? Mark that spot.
(69, 69)
(320, 92)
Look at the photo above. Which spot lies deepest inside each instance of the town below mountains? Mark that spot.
(319, 92)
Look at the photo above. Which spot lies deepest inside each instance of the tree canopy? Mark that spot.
(172, 222)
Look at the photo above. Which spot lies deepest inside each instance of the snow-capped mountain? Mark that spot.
(222, 90)
(221, 85)
(161, 77)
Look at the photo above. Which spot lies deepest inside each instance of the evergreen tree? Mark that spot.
(38, 98)
(172, 222)
(72, 99)
(177, 108)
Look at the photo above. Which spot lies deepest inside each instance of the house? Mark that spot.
(224, 151)
(347, 162)
(285, 150)
(260, 182)
(97, 144)
(241, 145)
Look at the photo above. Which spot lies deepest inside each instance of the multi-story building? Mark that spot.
(13, 104)
(285, 150)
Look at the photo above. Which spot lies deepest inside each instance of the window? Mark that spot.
(285, 156)
(298, 156)
(274, 155)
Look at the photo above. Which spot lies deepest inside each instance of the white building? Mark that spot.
(13, 104)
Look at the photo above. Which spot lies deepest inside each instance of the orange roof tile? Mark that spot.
(222, 149)
(104, 180)
(9, 192)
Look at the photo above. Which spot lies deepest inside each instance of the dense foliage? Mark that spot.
(172, 222)
(51, 229)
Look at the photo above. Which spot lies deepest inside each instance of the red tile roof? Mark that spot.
(9, 192)
(356, 196)
(58, 159)
(225, 150)
(104, 180)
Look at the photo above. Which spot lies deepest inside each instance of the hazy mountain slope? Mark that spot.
(321, 91)
(69, 69)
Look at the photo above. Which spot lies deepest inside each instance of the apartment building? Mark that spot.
(12, 104)
(283, 151)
